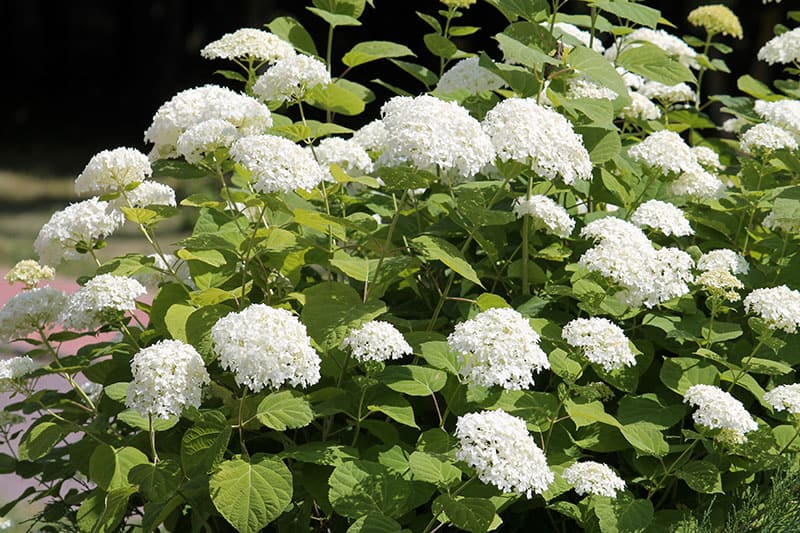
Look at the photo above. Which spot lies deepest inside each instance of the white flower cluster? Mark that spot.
(277, 164)
(668, 94)
(376, 341)
(782, 113)
(778, 306)
(101, 299)
(723, 259)
(716, 409)
(248, 43)
(625, 255)
(640, 108)
(546, 213)
(204, 138)
(30, 311)
(83, 222)
(698, 185)
(168, 377)
(603, 342)
(589, 477)
(665, 151)
(662, 216)
(112, 171)
(469, 77)
(346, 153)
(160, 271)
(147, 193)
(671, 44)
(722, 283)
(521, 130)
(498, 347)
(788, 224)
(734, 125)
(371, 137)
(265, 347)
(585, 88)
(707, 157)
(14, 369)
(290, 78)
(561, 29)
(30, 273)
(785, 397)
(193, 106)
(502, 452)
(766, 137)
(783, 48)
(432, 134)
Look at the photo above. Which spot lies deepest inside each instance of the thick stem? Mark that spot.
(152, 439)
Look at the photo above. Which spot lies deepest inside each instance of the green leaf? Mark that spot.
(518, 78)
(757, 365)
(603, 145)
(334, 19)
(109, 467)
(426, 467)
(204, 444)
(375, 523)
(157, 482)
(653, 63)
(439, 45)
(487, 300)
(374, 50)
(722, 331)
(647, 438)
(359, 488)
(357, 268)
(134, 419)
(515, 51)
(331, 309)
(395, 406)
(336, 98)
(597, 67)
(423, 74)
(526, 9)
(438, 355)
(39, 440)
(638, 13)
(321, 453)
(468, 514)
(177, 168)
(680, 373)
(649, 408)
(402, 178)
(434, 248)
(353, 8)
(538, 409)
(584, 414)
(749, 85)
(701, 476)
(102, 512)
(251, 495)
(623, 514)
(284, 410)
(413, 380)
(289, 29)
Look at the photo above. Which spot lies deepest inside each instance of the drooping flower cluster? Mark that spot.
(168, 377)
(291, 78)
(265, 347)
(31, 311)
(13, 369)
(785, 398)
(112, 171)
(376, 340)
(523, 131)
(346, 153)
(82, 223)
(498, 347)
(723, 259)
(783, 48)
(431, 134)
(778, 306)
(204, 138)
(716, 409)
(467, 76)
(716, 18)
(502, 452)
(193, 106)
(720, 283)
(248, 43)
(146, 194)
(641, 108)
(102, 299)
(546, 213)
(277, 164)
(603, 342)
(625, 255)
(766, 138)
(662, 216)
(589, 477)
(30, 273)
(707, 157)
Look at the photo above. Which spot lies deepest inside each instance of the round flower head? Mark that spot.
(432, 134)
(766, 138)
(665, 151)
(641, 108)
(376, 341)
(13, 369)
(523, 131)
(467, 76)
(346, 153)
(570, 33)
(697, 185)
(668, 94)
(145, 194)
(197, 105)
(113, 170)
(102, 299)
(290, 78)
(662, 216)
(715, 19)
(722, 283)
(168, 377)
(30, 273)
(589, 477)
(784, 48)
(371, 137)
(204, 138)
(546, 214)
(707, 157)
(611, 230)
(734, 125)
(716, 409)
(498, 347)
(782, 113)
(632, 81)
(502, 452)
(785, 397)
(671, 44)
(584, 88)
(788, 224)
(265, 347)
(30, 311)
(277, 164)
(80, 223)
(248, 43)
(723, 259)
(602, 341)
(778, 306)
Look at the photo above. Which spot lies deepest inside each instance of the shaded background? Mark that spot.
(85, 76)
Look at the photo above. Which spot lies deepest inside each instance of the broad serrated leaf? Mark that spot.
(102, 512)
(638, 13)
(646, 438)
(395, 406)
(701, 476)
(156, 481)
(135, 419)
(426, 467)
(204, 444)
(39, 440)
(336, 98)
(623, 514)
(374, 50)
(109, 466)
(359, 488)
(322, 453)
(434, 248)
(334, 19)
(413, 380)
(468, 514)
(680, 373)
(439, 355)
(331, 309)
(375, 523)
(284, 410)
(598, 68)
(653, 63)
(289, 29)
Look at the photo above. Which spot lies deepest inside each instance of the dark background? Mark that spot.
(83, 76)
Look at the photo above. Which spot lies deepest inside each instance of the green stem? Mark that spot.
(668, 471)
(443, 418)
(241, 423)
(429, 527)
(446, 34)
(745, 364)
(66, 375)
(386, 244)
(526, 223)
(651, 176)
(357, 431)
(714, 306)
(780, 259)
(152, 439)
(702, 71)
(796, 433)
(329, 61)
